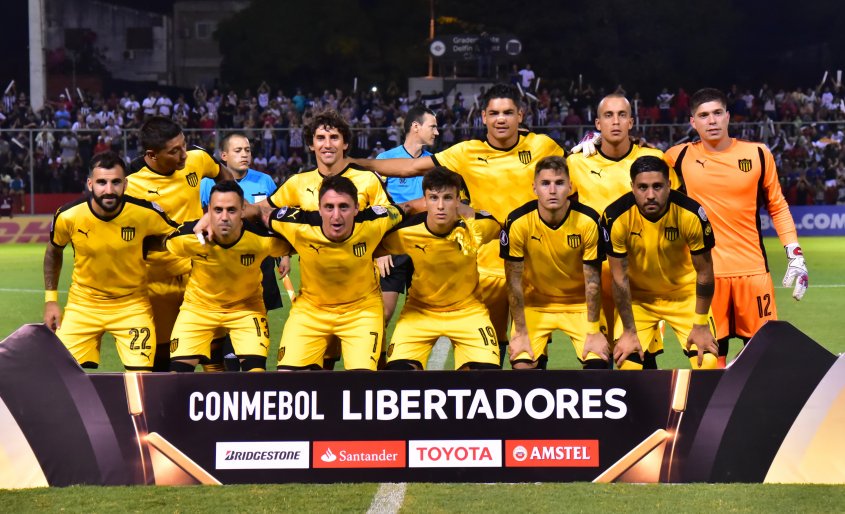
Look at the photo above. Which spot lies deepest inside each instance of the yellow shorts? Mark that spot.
(166, 297)
(678, 314)
(742, 304)
(494, 295)
(132, 326)
(309, 329)
(196, 327)
(469, 329)
(542, 322)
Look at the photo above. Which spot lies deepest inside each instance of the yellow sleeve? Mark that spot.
(378, 194)
(615, 237)
(178, 245)
(512, 240)
(280, 247)
(393, 243)
(285, 195)
(208, 166)
(592, 244)
(60, 230)
(488, 227)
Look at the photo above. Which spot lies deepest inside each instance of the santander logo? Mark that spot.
(359, 454)
(328, 456)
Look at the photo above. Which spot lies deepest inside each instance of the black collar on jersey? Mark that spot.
(117, 211)
(519, 136)
(616, 159)
(240, 236)
(562, 221)
(332, 241)
(341, 172)
(459, 223)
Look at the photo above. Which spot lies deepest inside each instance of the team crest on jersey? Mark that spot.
(174, 344)
(573, 240)
(744, 165)
(525, 156)
(708, 229)
(359, 249)
(127, 233)
(192, 179)
(671, 233)
(247, 259)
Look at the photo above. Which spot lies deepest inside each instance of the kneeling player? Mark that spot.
(658, 243)
(443, 298)
(340, 295)
(108, 292)
(224, 290)
(553, 256)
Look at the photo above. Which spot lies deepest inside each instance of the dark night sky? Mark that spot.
(779, 38)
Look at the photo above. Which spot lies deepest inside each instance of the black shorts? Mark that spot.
(399, 279)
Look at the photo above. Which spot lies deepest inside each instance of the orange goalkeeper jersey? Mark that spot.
(732, 185)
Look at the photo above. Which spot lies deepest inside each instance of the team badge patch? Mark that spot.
(708, 229)
(281, 213)
(157, 207)
(671, 233)
(127, 233)
(281, 354)
(192, 179)
(525, 156)
(503, 238)
(174, 344)
(379, 209)
(573, 240)
(247, 259)
(702, 214)
(744, 165)
(359, 249)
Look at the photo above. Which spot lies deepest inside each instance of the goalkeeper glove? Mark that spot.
(796, 271)
(588, 143)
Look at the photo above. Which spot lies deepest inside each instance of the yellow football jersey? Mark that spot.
(335, 274)
(178, 193)
(600, 180)
(554, 257)
(108, 253)
(445, 268)
(227, 277)
(302, 190)
(658, 252)
(499, 180)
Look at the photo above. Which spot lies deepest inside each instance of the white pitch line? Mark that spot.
(390, 496)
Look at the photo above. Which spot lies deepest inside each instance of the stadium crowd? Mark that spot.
(803, 127)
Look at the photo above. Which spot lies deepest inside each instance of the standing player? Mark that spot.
(108, 292)
(553, 256)
(442, 299)
(601, 178)
(498, 174)
(224, 290)
(169, 174)
(420, 130)
(340, 296)
(732, 179)
(658, 244)
(236, 154)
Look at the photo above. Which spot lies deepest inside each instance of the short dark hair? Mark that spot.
(648, 163)
(552, 162)
(707, 94)
(157, 131)
(107, 160)
(440, 178)
(501, 91)
(331, 119)
(226, 186)
(339, 184)
(224, 143)
(416, 114)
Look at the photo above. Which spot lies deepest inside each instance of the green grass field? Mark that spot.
(21, 297)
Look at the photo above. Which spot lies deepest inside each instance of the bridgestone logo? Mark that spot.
(263, 455)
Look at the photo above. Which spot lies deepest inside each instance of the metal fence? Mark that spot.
(26, 143)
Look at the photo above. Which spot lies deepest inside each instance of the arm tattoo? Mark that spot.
(516, 296)
(592, 291)
(53, 257)
(622, 297)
